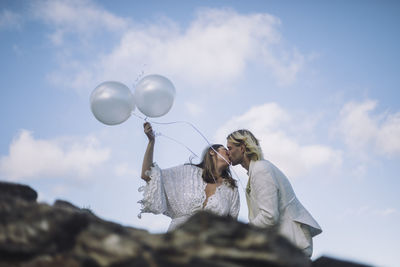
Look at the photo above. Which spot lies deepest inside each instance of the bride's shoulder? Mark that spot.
(191, 167)
(187, 167)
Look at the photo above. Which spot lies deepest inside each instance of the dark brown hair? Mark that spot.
(209, 168)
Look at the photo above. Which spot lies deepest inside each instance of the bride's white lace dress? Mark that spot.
(179, 192)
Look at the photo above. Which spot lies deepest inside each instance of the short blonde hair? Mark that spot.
(245, 137)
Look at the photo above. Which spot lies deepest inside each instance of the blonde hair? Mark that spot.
(252, 145)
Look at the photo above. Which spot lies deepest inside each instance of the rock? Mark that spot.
(40, 235)
(17, 191)
(210, 240)
(330, 262)
(37, 234)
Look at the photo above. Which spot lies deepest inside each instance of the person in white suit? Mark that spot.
(270, 196)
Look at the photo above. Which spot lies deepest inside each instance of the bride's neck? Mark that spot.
(218, 177)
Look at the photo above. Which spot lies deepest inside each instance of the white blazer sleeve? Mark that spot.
(265, 195)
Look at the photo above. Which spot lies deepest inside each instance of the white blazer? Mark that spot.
(272, 201)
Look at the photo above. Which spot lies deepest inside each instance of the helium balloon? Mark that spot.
(154, 95)
(112, 102)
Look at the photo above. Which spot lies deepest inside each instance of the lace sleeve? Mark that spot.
(154, 200)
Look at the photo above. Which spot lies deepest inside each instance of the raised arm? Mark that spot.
(148, 155)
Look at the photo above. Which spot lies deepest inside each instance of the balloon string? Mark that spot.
(199, 132)
(160, 134)
(175, 122)
(139, 76)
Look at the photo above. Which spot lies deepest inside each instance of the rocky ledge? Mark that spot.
(36, 234)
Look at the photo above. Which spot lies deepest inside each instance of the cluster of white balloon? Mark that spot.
(112, 102)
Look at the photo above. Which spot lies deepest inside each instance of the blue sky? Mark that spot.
(316, 81)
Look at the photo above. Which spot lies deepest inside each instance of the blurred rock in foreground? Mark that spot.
(39, 235)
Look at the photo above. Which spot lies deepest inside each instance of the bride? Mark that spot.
(181, 191)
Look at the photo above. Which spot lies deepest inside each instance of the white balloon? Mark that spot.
(112, 102)
(154, 95)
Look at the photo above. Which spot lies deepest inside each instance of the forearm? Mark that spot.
(265, 219)
(148, 160)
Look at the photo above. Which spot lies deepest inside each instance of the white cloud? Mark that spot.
(194, 108)
(80, 17)
(125, 169)
(212, 52)
(356, 125)
(284, 65)
(10, 20)
(388, 211)
(388, 137)
(32, 158)
(270, 124)
(363, 130)
(381, 212)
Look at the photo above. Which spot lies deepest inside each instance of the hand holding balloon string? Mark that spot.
(154, 134)
(148, 130)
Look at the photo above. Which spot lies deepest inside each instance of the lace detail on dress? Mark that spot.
(202, 197)
(153, 193)
(220, 202)
(212, 205)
